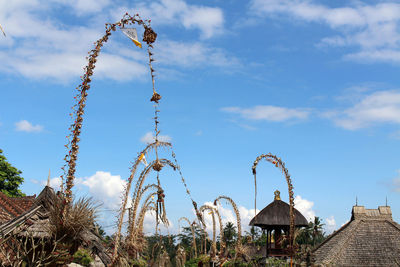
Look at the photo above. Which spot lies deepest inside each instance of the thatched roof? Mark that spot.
(35, 222)
(276, 215)
(370, 238)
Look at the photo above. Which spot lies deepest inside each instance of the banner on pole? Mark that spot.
(1, 28)
(132, 34)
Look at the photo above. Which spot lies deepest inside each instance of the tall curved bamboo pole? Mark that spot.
(236, 210)
(143, 191)
(129, 183)
(139, 183)
(136, 195)
(193, 234)
(75, 128)
(142, 212)
(221, 232)
(281, 165)
(137, 244)
(211, 209)
(140, 222)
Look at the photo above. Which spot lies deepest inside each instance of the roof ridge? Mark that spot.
(394, 224)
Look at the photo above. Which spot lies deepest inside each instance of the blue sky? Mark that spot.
(313, 82)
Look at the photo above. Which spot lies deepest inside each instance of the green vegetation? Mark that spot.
(10, 178)
(194, 262)
(82, 257)
(312, 234)
(237, 263)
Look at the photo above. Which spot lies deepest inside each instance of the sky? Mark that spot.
(314, 82)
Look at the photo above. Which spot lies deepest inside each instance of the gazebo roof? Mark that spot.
(276, 215)
(370, 238)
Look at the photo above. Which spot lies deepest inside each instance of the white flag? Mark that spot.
(142, 158)
(1, 28)
(132, 34)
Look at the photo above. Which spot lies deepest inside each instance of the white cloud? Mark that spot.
(269, 113)
(330, 224)
(373, 29)
(209, 20)
(50, 49)
(375, 108)
(108, 188)
(149, 225)
(55, 183)
(26, 126)
(305, 207)
(228, 215)
(150, 138)
(82, 7)
(105, 187)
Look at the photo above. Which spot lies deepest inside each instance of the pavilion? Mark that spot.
(274, 220)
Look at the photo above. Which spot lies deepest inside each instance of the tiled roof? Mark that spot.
(11, 207)
(371, 238)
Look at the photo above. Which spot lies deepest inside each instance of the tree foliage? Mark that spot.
(312, 234)
(157, 243)
(186, 239)
(230, 234)
(10, 178)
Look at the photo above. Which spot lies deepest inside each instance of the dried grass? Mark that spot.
(81, 215)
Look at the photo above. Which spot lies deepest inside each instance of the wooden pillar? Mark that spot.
(268, 242)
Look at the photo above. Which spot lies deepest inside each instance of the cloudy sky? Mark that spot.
(314, 82)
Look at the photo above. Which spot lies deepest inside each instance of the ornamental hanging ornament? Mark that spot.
(149, 35)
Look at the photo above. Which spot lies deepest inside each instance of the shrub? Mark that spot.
(139, 263)
(82, 257)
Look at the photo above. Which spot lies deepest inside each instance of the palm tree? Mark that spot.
(317, 232)
(230, 234)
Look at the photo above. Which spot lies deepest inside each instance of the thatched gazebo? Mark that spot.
(274, 220)
(370, 238)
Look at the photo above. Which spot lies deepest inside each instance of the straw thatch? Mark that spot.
(370, 238)
(277, 215)
(35, 222)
